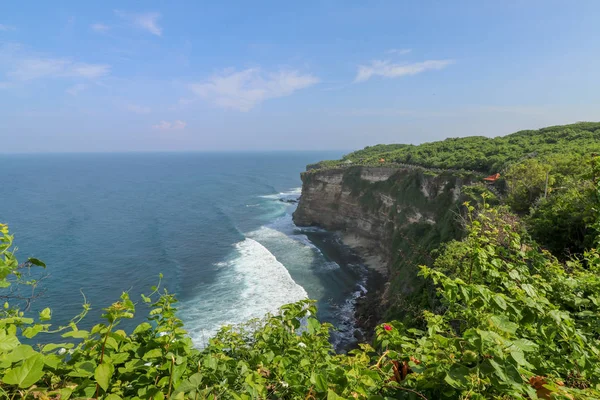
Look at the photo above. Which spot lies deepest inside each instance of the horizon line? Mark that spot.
(172, 152)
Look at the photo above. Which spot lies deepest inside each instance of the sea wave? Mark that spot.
(274, 265)
(290, 194)
(252, 284)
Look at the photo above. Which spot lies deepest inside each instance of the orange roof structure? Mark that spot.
(382, 160)
(492, 178)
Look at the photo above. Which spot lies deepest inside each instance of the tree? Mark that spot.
(527, 181)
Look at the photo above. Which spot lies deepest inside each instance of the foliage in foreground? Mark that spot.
(516, 323)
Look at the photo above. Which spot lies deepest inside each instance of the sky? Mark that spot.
(83, 76)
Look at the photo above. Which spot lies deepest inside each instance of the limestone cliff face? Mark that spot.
(396, 215)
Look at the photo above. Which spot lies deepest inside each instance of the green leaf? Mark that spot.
(119, 358)
(155, 311)
(113, 396)
(313, 325)
(191, 383)
(7, 341)
(143, 327)
(83, 369)
(504, 324)
(529, 290)
(507, 373)
(319, 381)
(37, 262)
(32, 331)
(519, 357)
(525, 345)
(111, 343)
(53, 346)
(45, 314)
(22, 352)
(27, 374)
(499, 300)
(81, 334)
(52, 360)
(154, 353)
(457, 376)
(146, 298)
(65, 393)
(103, 374)
(331, 395)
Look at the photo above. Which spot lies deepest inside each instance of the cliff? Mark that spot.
(393, 216)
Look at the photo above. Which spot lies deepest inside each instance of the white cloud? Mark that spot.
(134, 108)
(33, 68)
(6, 28)
(22, 65)
(146, 21)
(170, 126)
(99, 27)
(389, 70)
(399, 52)
(91, 71)
(245, 89)
(76, 89)
(30, 68)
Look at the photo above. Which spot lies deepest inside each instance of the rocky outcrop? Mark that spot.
(393, 217)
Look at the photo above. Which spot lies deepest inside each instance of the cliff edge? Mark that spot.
(393, 216)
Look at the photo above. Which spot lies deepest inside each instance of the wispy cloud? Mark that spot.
(31, 68)
(176, 125)
(399, 52)
(5, 28)
(389, 70)
(146, 21)
(243, 90)
(76, 89)
(135, 108)
(20, 64)
(101, 28)
(91, 71)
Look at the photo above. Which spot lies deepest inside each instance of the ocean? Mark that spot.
(218, 226)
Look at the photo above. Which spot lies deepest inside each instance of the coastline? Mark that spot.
(362, 247)
(366, 300)
(368, 306)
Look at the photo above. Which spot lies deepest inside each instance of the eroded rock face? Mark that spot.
(393, 218)
(371, 206)
(328, 203)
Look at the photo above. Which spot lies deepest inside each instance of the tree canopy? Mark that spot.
(480, 153)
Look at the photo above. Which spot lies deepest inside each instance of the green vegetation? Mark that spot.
(508, 306)
(515, 323)
(478, 153)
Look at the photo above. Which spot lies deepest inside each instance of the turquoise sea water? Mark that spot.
(213, 224)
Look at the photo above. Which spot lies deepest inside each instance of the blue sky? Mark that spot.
(270, 75)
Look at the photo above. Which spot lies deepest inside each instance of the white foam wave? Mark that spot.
(330, 266)
(306, 241)
(292, 193)
(252, 283)
(310, 229)
(268, 284)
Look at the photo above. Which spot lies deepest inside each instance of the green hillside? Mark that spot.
(483, 154)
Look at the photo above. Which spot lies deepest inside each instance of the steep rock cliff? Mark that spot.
(393, 217)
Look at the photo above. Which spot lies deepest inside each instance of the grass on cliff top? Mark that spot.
(479, 153)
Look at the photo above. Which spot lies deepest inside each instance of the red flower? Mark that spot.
(387, 327)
